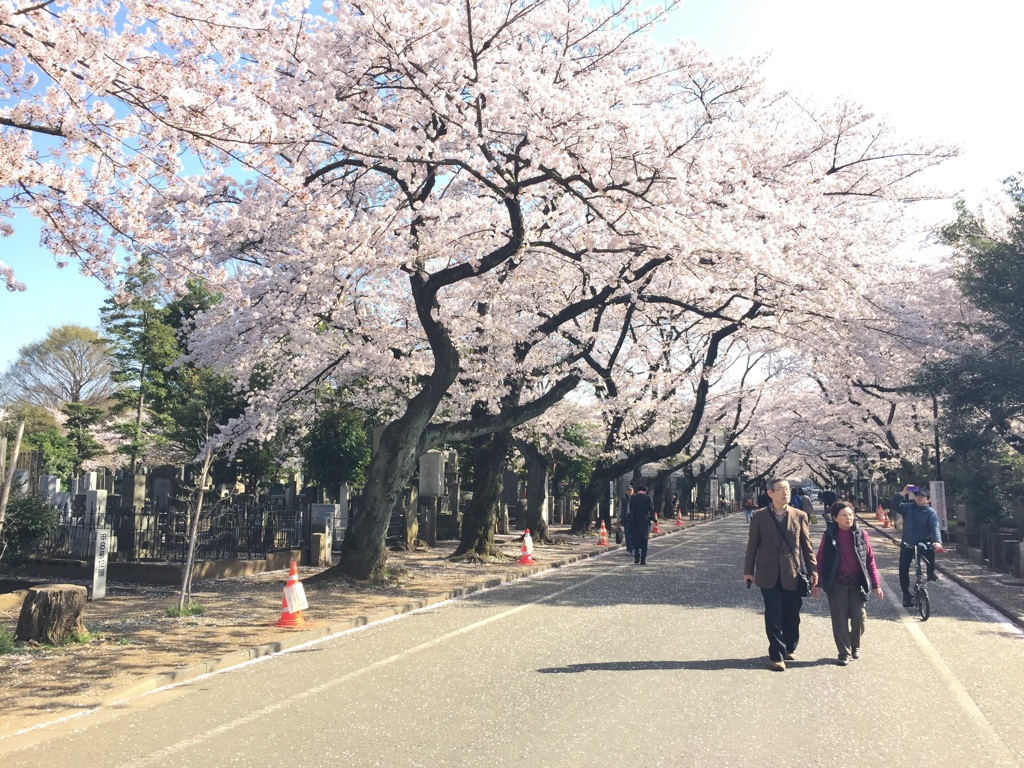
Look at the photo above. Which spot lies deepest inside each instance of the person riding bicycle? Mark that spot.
(920, 526)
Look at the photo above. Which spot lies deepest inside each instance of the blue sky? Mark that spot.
(936, 68)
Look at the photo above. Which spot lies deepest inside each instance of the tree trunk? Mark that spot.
(536, 491)
(590, 499)
(659, 497)
(410, 511)
(5, 493)
(52, 614)
(490, 456)
(193, 532)
(363, 552)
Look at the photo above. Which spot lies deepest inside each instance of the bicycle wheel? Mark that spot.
(924, 607)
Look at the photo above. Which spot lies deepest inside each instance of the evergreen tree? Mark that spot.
(81, 419)
(143, 346)
(336, 449)
(982, 400)
(980, 388)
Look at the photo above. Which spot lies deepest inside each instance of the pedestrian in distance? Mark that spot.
(802, 500)
(779, 538)
(641, 515)
(627, 533)
(748, 507)
(920, 526)
(847, 573)
(828, 498)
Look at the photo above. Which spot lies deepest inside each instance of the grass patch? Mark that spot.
(192, 609)
(6, 642)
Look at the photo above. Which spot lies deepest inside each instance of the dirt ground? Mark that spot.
(134, 646)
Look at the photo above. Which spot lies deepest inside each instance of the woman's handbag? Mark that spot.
(618, 535)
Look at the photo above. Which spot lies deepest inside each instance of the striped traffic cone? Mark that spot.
(525, 558)
(294, 594)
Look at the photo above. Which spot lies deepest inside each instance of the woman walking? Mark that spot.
(847, 572)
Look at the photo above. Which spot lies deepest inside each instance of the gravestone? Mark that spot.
(327, 519)
(432, 473)
(20, 480)
(319, 550)
(163, 491)
(133, 491)
(95, 508)
(49, 487)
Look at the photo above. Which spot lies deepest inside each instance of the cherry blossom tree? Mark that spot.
(404, 198)
(849, 396)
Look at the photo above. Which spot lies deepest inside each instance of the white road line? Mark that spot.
(270, 709)
(998, 751)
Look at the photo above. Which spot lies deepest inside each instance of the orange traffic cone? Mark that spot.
(602, 536)
(293, 603)
(885, 521)
(655, 529)
(679, 519)
(525, 558)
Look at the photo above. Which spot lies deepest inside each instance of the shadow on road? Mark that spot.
(706, 665)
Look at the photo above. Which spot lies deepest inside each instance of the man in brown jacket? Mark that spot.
(779, 534)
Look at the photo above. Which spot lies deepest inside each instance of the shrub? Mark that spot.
(28, 520)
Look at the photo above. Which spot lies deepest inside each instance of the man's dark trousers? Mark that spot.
(781, 620)
(906, 558)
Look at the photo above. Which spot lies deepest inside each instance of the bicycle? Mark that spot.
(921, 601)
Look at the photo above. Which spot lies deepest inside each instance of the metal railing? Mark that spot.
(227, 530)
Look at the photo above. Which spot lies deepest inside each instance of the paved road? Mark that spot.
(602, 663)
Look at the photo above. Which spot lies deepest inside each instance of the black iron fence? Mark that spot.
(227, 530)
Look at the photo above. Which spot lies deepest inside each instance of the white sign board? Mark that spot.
(295, 598)
(937, 488)
(99, 570)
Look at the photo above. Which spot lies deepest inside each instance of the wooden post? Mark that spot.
(52, 613)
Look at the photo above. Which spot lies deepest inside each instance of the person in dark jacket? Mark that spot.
(847, 572)
(641, 514)
(920, 526)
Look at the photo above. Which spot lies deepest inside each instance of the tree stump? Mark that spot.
(52, 613)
